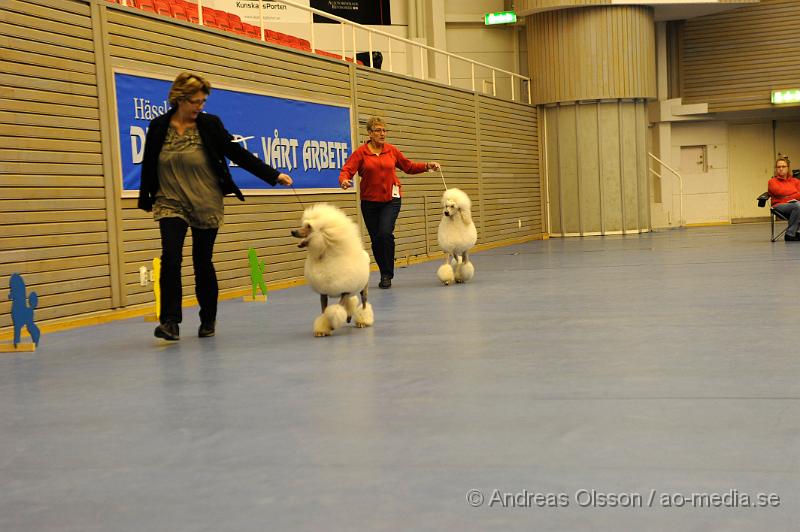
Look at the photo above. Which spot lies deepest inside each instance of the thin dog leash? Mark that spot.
(296, 195)
(442, 174)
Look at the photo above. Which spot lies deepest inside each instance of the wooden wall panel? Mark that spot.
(511, 198)
(592, 53)
(597, 172)
(53, 227)
(733, 60)
(587, 163)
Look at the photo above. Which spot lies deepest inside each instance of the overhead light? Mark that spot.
(501, 17)
(786, 96)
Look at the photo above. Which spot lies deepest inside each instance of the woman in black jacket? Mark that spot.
(185, 176)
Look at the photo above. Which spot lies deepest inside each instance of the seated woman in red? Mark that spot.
(784, 191)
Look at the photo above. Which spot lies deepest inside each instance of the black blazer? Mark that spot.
(217, 145)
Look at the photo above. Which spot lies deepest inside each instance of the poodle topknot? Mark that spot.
(455, 201)
(324, 226)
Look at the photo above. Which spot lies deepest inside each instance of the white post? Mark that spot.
(370, 49)
(341, 26)
(354, 43)
(529, 91)
(421, 63)
(512, 88)
(313, 45)
(494, 84)
(200, 13)
(261, 18)
(449, 76)
(390, 56)
(472, 66)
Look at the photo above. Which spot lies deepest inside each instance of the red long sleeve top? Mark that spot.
(783, 190)
(377, 171)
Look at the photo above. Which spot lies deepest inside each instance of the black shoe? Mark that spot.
(386, 282)
(168, 331)
(207, 330)
(790, 238)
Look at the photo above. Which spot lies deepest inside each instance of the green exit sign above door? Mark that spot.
(786, 96)
(502, 17)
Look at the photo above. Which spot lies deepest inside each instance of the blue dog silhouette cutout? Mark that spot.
(22, 310)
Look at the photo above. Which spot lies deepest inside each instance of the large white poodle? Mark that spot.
(457, 235)
(337, 266)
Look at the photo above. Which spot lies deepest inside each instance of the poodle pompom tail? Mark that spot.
(445, 274)
(350, 305)
(322, 327)
(464, 272)
(336, 315)
(364, 316)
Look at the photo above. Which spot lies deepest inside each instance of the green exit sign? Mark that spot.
(501, 17)
(786, 96)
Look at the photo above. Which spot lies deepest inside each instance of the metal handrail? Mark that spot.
(682, 221)
(391, 37)
(395, 37)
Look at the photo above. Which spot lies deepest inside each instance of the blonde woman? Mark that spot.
(185, 176)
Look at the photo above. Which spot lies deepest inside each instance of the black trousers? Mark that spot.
(173, 233)
(380, 217)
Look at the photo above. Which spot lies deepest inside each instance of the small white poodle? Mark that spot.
(457, 234)
(337, 266)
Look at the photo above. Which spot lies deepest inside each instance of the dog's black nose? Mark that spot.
(446, 213)
(295, 233)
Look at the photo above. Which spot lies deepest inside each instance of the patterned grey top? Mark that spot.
(188, 188)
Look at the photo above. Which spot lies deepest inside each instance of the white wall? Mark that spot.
(734, 178)
(492, 45)
(706, 196)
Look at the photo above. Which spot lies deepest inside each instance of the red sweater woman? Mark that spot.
(784, 191)
(375, 161)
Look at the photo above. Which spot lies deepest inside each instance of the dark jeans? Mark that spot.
(173, 233)
(379, 217)
(790, 211)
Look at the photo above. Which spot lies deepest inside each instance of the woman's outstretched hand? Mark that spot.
(285, 179)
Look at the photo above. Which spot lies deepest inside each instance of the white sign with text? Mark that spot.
(274, 12)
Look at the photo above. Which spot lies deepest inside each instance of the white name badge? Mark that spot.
(395, 191)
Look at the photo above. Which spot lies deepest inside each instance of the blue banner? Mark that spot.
(309, 141)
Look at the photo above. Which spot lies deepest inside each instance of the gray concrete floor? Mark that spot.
(650, 365)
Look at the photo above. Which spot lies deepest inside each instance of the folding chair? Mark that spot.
(221, 19)
(179, 11)
(774, 215)
(252, 31)
(237, 26)
(162, 8)
(147, 5)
